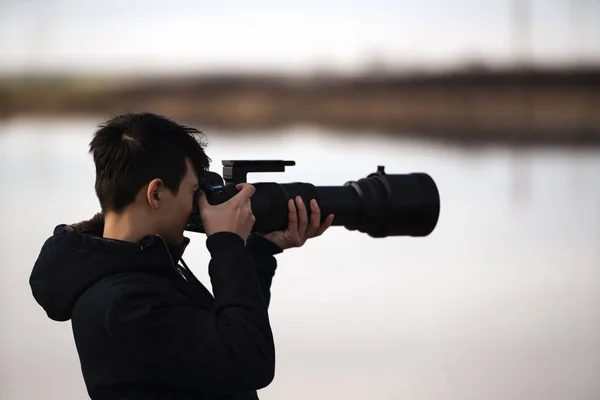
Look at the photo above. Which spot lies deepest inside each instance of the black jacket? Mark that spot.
(146, 328)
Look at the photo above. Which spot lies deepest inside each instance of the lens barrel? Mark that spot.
(379, 205)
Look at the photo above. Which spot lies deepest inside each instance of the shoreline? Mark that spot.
(510, 107)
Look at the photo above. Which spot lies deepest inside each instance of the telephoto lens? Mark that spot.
(380, 205)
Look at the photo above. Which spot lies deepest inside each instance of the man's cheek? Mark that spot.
(186, 215)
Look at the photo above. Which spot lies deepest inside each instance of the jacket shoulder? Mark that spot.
(98, 301)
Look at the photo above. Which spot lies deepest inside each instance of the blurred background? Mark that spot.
(498, 100)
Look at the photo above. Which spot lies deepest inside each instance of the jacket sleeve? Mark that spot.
(262, 252)
(228, 350)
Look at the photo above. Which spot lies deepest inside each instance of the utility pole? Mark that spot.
(521, 44)
(521, 32)
(578, 30)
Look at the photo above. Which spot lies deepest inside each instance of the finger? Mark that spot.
(315, 218)
(302, 216)
(245, 191)
(202, 200)
(292, 217)
(325, 225)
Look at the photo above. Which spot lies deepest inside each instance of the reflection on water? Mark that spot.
(501, 301)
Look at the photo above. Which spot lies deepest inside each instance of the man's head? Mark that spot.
(146, 173)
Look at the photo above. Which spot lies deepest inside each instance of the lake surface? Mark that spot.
(501, 301)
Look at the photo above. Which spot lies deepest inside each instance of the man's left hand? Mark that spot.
(299, 229)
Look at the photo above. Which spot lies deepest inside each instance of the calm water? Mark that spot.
(502, 301)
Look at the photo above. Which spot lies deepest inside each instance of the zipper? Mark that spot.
(179, 270)
(175, 266)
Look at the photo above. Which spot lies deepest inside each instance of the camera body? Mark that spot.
(220, 189)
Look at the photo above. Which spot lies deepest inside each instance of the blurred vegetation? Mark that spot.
(477, 105)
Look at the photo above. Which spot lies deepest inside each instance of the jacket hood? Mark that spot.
(76, 256)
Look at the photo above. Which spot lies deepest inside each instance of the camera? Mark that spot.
(380, 205)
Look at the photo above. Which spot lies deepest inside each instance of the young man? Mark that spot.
(144, 326)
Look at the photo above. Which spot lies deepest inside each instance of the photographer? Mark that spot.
(144, 326)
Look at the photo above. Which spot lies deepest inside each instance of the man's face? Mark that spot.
(175, 210)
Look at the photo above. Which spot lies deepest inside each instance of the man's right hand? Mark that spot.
(235, 215)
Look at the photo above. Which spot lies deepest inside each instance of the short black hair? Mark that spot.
(131, 150)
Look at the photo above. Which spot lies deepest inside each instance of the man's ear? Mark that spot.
(154, 193)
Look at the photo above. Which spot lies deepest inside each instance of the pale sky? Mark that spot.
(186, 35)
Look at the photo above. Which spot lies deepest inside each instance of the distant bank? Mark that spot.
(551, 107)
